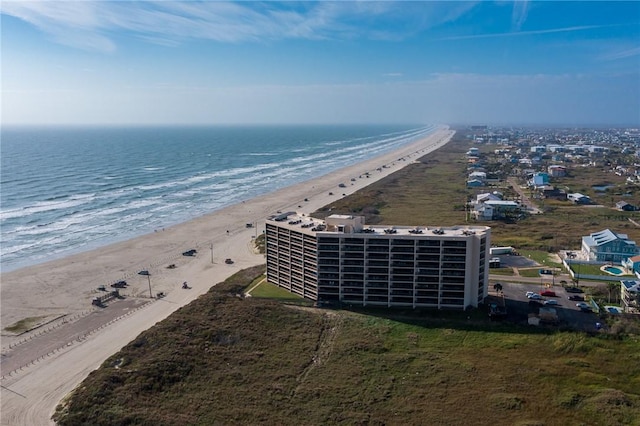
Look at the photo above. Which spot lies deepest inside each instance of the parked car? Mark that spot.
(535, 296)
(585, 307)
(119, 284)
(574, 290)
(551, 302)
(228, 261)
(576, 297)
(548, 293)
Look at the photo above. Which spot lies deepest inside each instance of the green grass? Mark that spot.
(501, 271)
(530, 273)
(587, 269)
(269, 291)
(227, 360)
(24, 324)
(542, 257)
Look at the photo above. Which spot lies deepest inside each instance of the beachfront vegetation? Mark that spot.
(432, 191)
(25, 324)
(223, 359)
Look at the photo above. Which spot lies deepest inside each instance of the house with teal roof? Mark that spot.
(608, 246)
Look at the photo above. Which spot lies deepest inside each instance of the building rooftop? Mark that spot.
(348, 224)
(632, 286)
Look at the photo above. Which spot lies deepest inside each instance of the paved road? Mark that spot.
(39, 347)
(526, 201)
(538, 280)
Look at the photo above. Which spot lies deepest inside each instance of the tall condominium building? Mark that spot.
(341, 259)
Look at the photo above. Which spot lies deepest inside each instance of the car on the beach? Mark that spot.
(342, 185)
(119, 284)
(228, 261)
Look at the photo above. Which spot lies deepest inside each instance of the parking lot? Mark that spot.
(519, 306)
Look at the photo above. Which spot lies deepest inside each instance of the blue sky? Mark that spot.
(123, 62)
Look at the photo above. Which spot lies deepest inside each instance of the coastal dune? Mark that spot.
(64, 288)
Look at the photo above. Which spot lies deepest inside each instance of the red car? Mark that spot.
(548, 293)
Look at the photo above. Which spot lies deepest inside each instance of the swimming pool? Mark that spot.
(613, 270)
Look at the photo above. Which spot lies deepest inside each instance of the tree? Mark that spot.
(612, 286)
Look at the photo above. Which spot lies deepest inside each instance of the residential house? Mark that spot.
(488, 196)
(478, 175)
(578, 198)
(539, 179)
(473, 152)
(608, 246)
(549, 191)
(632, 264)
(474, 183)
(557, 171)
(630, 295)
(495, 210)
(597, 150)
(625, 207)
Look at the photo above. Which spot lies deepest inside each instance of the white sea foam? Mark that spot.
(77, 204)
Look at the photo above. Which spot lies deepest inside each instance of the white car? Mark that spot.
(529, 293)
(535, 296)
(551, 302)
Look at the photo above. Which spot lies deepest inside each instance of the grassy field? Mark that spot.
(267, 290)
(433, 191)
(227, 360)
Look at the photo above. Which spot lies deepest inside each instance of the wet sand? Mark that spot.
(66, 287)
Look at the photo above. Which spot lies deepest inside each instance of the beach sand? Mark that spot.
(66, 287)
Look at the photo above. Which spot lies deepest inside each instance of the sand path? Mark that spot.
(66, 286)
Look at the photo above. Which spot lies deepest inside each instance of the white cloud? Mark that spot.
(526, 33)
(92, 24)
(621, 54)
(519, 14)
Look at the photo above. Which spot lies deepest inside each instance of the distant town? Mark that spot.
(512, 175)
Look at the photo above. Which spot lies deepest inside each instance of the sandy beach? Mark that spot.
(62, 290)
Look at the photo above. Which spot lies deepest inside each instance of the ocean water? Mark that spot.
(65, 190)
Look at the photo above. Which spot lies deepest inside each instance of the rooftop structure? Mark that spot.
(341, 259)
(608, 246)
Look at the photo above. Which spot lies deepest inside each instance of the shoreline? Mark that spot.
(78, 276)
(66, 286)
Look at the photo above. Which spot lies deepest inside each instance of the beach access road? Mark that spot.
(66, 286)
